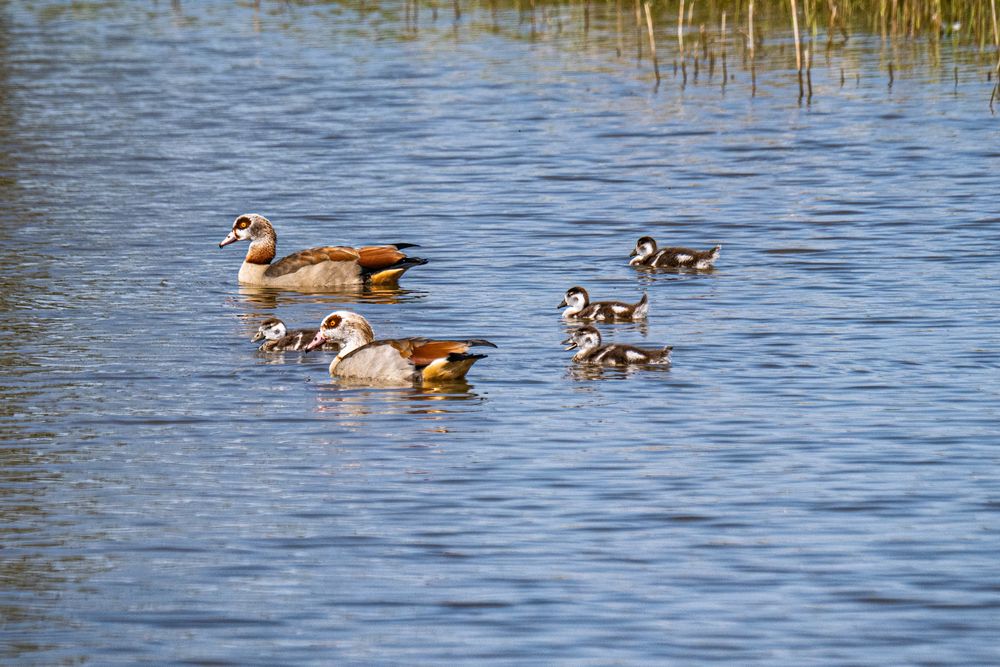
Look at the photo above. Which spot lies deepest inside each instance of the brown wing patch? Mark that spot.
(311, 257)
(377, 257)
(405, 346)
(437, 349)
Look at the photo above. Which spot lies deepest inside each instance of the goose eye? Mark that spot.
(242, 224)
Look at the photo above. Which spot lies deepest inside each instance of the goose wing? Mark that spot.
(304, 258)
(377, 257)
(429, 351)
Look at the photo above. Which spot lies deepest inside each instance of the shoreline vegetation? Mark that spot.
(703, 42)
(707, 40)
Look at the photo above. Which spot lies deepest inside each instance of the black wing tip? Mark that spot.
(406, 263)
(482, 342)
(400, 246)
(464, 356)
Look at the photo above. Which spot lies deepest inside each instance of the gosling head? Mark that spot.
(248, 226)
(576, 298)
(270, 329)
(348, 329)
(585, 338)
(644, 247)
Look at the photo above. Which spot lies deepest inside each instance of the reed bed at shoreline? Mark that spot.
(752, 43)
(706, 41)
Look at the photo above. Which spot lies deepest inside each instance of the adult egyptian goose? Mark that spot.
(580, 307)
(647, 254)
(402, 360)
(277, 338)
(588, 340)
(316, 268)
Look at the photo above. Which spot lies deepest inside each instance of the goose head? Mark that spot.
(249, 226)
(348, 329)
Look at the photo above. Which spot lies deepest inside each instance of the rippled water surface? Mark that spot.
(814, 481)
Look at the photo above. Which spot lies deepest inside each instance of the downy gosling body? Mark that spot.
(647, 254)
(277, 338)
(588, 341)
(580, 308)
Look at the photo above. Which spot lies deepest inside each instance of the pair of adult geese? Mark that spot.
(360, 357)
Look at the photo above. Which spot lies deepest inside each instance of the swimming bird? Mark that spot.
(277, 338)
(588, 341)
(580, 307)
(647, 254)
(401, 360)
(327, 266)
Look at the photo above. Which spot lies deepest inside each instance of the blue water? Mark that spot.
(814, 482)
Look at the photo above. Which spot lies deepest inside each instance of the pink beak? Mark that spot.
(317, 341)
(230, 238)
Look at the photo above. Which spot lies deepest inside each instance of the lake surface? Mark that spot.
(815, 481)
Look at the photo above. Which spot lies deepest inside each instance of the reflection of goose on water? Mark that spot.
(327, 266)
(401, 360)
(263, 299)
(434, 402)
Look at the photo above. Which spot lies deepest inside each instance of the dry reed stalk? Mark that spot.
(809, 78)
(725, 40)
(798, 46)
(638, 32)
(652, 42)
(680, 28)
(996, 41)
(795, 31)
(753, 57)
(619, 27)
(996, 32)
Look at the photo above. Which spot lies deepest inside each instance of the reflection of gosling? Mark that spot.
(363, 358)
(278, 339)
(580, 307)
(646, 254)
(588, 340)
